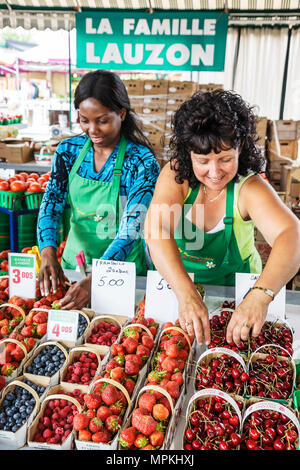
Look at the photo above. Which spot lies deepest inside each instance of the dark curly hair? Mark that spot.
(213, 121)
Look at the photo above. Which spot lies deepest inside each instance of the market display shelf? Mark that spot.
(30, 166)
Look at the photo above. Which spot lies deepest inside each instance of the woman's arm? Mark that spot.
(281, 229)
(161, 221)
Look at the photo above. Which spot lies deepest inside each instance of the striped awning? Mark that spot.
(60, 14)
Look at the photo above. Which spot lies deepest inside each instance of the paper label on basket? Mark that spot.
(62, 325)
(22, 275)
(161, 302)
(113, 287)
(243, 284)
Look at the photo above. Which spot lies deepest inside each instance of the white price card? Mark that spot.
(113, 287)
(243, 284)
(161, 303)
(62, 325)
(22, 275)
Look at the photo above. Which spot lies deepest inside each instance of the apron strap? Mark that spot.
(80, 159)
(117, 171)
(228, 219)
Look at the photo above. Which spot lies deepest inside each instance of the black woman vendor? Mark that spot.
(108, 174)
(211, 190)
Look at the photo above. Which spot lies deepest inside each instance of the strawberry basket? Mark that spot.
(68, 373)
(223, 369)
(23, 416)
(107, 406)
(269, 425)
(11, 366)
(213, 421)
(151, 424)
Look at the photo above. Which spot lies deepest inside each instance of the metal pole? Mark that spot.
(70, 79)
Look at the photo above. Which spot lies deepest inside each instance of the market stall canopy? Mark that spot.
(41, 14)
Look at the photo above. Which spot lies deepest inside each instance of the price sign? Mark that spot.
(113, 287)
(22, 275)
(161, 302)
(243, 284)
(62, 325)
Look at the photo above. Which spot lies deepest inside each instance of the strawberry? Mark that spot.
(103, 436)
(95, 425)
(147, 401)
(143, 352)
(92, 400)
(109, 395)
(157, 438)
(160, 412)
(104, 412)
(41, 329)
(129, 384)
(173, 389)
(113, 423)
(80, 421)
(143, 422)
(141, 441)
(147, 341)
(131, 368)
(130, 345)
(84, 435)
(127, 437)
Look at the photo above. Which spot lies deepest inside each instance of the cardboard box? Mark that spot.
(15, 151)
(134, 87)
(286, 129)
(155, 87)
(288, 148)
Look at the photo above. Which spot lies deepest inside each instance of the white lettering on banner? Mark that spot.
(128, 25)
(184, 31)
(90, 54)
(161, 27)
(167, 27)
(142, 27)
(210, 27)
(138, 56)
(184, 54)
(112, 54)
(104, 26)
(154, 58)
(177, 54)
(200, 55)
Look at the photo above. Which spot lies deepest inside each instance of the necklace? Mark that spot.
(214, 198)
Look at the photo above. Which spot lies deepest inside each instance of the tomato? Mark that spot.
(24, 175)
(17, 186)
(4, 186)
(35, 176)
(34, 188)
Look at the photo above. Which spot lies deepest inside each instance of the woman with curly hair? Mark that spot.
(207, 200)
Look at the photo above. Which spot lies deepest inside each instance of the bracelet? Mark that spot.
(265, 290)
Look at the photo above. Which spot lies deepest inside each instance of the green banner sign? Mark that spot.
(131, 40)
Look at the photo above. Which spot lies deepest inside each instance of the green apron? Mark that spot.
(95, 215)
(219, 258)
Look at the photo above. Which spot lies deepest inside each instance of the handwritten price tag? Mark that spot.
(161, 302)
(22, 275)
(113, 287)
(62, 325)
(243, 284)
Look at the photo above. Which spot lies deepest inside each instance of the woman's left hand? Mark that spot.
(248, 317)
(78, 296)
